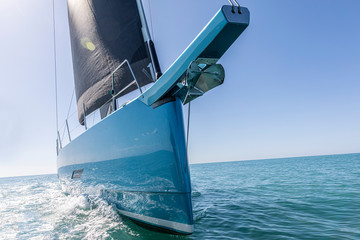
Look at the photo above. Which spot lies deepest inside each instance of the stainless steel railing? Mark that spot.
(78, 130)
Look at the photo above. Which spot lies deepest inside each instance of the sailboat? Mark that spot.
(136, 153)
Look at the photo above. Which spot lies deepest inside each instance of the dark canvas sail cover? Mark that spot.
(103, 34)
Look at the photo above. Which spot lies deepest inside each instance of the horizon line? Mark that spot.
(257, 159)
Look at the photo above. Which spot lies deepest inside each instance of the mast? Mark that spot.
(155, 66)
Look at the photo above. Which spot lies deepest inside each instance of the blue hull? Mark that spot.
(137, 157)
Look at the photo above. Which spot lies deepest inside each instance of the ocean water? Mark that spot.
(294, 198)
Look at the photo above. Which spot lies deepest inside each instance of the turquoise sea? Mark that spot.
(291, 198)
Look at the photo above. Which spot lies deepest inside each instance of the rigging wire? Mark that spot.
(238, 5)
(63, 134)
(72, 96)
(55, 70)
(187, 137)
(232, 5)
(67, 116)
(151, 23)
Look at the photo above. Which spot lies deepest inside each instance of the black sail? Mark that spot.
(103, 34)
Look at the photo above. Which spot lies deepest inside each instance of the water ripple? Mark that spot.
(295, 198)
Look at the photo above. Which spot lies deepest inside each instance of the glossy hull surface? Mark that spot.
(137, 158)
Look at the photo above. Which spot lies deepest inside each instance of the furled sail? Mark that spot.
(103, 34)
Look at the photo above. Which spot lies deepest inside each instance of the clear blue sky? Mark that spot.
(292, 84)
